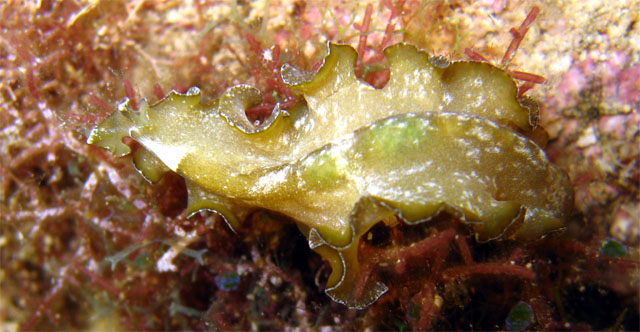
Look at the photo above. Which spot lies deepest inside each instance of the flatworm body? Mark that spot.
(437, 138)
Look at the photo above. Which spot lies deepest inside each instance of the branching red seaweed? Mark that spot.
(85, 243)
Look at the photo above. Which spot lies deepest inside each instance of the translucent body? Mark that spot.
(434, 139)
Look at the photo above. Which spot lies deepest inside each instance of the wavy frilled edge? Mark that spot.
(301, 81)
(345, 260)
(232, 105)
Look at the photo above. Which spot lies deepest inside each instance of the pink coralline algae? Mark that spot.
(618, 77)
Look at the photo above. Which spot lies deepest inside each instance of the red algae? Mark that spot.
(69, 210)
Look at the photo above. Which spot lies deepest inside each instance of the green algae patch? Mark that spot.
(436, 139)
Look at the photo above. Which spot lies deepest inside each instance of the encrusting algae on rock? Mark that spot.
(437, 138)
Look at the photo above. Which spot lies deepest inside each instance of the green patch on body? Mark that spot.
(325, 168)
(395, 136)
